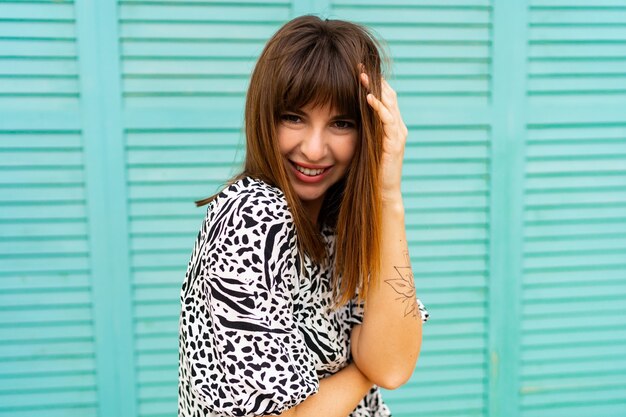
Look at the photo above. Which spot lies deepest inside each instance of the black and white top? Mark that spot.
(256, 329)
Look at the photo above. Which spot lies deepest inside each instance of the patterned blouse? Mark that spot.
(256, 332)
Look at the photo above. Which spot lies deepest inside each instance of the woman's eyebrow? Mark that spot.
(299, 112)
(343, 116)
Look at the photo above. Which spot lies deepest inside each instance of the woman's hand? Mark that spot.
(394, 140)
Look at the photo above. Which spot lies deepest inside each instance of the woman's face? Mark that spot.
(317, 145)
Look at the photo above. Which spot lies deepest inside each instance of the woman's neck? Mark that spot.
(313, 207)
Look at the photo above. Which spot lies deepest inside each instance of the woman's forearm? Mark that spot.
(389, 341)
(338, 396)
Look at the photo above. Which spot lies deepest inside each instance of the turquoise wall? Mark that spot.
(116, 116)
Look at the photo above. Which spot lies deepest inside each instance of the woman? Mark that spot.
(299, 295)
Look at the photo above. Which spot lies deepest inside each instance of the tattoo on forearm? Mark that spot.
(405, 287)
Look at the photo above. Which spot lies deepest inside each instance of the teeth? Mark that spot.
(309, 172)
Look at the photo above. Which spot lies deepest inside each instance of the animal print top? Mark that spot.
(256, 332)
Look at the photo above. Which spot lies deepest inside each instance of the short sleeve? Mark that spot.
(424, 314)
(244, 353)
(356, 311)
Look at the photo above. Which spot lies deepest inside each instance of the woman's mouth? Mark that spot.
(309, 174)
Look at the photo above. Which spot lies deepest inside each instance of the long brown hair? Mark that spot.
(310, 61)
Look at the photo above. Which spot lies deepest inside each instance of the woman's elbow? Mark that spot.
(392, 379)
(388, 373)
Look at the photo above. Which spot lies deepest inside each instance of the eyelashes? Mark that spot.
(340, 124)
(344, 124)
(290, 118)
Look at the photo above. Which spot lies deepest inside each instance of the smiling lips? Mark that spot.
(309, 173)
(309, 170)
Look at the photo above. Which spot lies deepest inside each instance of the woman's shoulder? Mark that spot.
(252, 197)
(251, 185)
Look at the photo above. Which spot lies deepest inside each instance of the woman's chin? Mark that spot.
(310, 197)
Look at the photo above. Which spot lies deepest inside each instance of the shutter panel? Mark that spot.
(47, 347)
(577, 52)
(441, 58)
(38, 50)
(573, 352)
(185, 69)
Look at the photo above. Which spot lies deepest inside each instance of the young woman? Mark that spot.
(299, 297)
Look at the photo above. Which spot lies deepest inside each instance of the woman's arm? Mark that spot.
(338, 395)
(387, 346)
(388, 343)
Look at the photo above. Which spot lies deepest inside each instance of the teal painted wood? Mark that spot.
(29, 40)
(107, 207)
(318, 7)
(515, 189)
(509, 112)
(47, 349)
(573, 339)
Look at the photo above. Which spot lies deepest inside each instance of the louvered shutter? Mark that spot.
(573, 327)
(114, 118)
(47, 347)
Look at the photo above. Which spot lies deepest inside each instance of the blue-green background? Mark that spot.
(116, 116)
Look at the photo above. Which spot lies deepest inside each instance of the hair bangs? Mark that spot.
(322, 77)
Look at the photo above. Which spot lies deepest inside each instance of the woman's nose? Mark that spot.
(313, 146)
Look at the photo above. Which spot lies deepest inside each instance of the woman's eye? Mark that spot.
(291, 118)
(343, 124)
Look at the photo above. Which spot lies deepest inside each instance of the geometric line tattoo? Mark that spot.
(404, 285)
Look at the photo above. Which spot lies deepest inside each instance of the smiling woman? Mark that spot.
(282, 311)
(317, 144)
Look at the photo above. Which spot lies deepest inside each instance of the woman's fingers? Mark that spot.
(395, 131)
(383, 112)
(365, 80)
(387, 106)
(388, 95)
